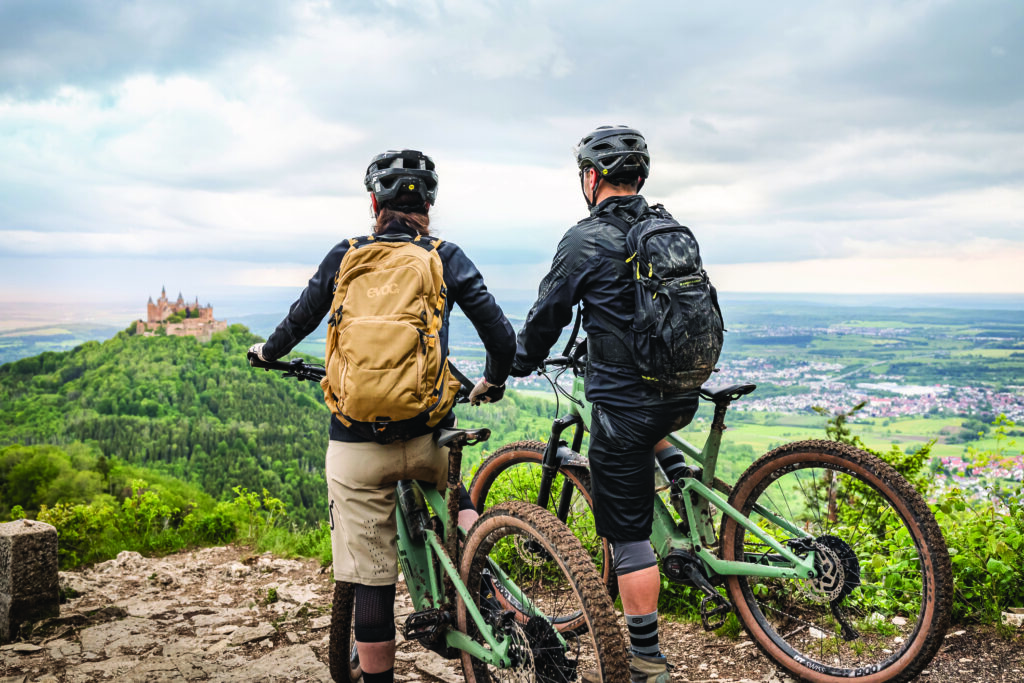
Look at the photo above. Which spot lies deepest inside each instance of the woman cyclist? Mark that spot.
(361, 473)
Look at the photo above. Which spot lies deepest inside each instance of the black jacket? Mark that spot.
(465, 287)
(590, 266)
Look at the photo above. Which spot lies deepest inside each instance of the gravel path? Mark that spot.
(222, 614)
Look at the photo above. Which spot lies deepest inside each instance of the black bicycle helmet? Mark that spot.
(618, 153)
(398, 173)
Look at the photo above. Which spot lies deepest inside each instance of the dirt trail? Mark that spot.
(210, 615)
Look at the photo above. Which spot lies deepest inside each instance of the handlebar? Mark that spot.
(302, 370)
(576, 353)
(294, 368)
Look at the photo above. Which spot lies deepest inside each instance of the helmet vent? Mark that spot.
(601, 147)
(629, 142)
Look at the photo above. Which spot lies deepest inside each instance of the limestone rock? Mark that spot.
(292, 663)
(248, 634)
(131, 635)
(26, 648)
(236, 570)
(126, 561)
(297, 594)
(1014, 617)
(436, 666)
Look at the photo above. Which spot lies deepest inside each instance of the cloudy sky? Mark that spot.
(218, 147)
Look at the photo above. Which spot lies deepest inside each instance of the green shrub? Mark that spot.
(984, 533)
(986, 545)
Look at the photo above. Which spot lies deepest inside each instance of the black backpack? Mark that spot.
(676, 334)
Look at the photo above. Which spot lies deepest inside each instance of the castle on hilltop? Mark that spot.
(179, 319)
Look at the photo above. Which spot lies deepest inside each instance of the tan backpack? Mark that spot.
(387, 373)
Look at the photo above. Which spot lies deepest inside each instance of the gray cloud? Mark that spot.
(779, 131)
(93, 43)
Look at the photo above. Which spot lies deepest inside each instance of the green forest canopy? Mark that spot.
(200, 413)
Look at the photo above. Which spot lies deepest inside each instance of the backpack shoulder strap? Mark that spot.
(427, 242)
(613, 220)
(659, 210)
(359, 242)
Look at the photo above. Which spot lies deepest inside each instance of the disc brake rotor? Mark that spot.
(527, 553)
(828, 583)
(523, 667)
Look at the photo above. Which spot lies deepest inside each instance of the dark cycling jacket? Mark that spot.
(590, 266)
(465, 287)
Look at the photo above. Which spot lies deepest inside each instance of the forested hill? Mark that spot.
(194, 410)
(200, 413)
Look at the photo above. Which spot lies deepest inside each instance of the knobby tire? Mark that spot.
(525, 458)
(597, 643)
(343, 669)
(877, 483)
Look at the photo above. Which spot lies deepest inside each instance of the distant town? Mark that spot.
(821, 384)
(939, 367)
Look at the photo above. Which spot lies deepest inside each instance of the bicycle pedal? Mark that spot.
(427, 623)
(723, 607)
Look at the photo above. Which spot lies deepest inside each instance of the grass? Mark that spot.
(764, 431)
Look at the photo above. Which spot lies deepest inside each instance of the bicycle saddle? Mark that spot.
(726, 395)
(468, 436)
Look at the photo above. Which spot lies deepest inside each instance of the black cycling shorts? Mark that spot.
(621, 457)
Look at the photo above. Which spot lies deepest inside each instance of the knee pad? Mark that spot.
(375, 613)
(632, 556)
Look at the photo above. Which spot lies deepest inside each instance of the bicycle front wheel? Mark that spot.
(566, 583)
(879, 604)
(344, 659)
(514, 472)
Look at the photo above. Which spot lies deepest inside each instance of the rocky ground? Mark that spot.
(222, 614)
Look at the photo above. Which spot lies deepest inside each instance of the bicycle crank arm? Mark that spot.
(711, 597)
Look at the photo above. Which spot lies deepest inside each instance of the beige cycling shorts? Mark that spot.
(361, 481)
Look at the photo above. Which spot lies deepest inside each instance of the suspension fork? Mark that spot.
(552, 461)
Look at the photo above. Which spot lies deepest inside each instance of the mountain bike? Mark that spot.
(832, 562)
(470, 601)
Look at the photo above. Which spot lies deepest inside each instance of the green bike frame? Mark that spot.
(431, 576)
(698, 495)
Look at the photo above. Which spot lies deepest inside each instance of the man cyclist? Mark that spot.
(629, 417)
(361, 474)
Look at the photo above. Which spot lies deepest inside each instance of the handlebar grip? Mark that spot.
(256, 362)
(557, 361)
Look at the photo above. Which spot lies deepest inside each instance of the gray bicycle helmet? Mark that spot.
(618, 154)
(399, 173)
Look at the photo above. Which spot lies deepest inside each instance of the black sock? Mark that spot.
(671, 461)
(382, 677)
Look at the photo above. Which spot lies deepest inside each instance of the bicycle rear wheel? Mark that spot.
(514, 472)
(344, 660)
(565, 584)
(879, 606)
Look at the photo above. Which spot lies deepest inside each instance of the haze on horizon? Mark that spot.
(871, 147)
